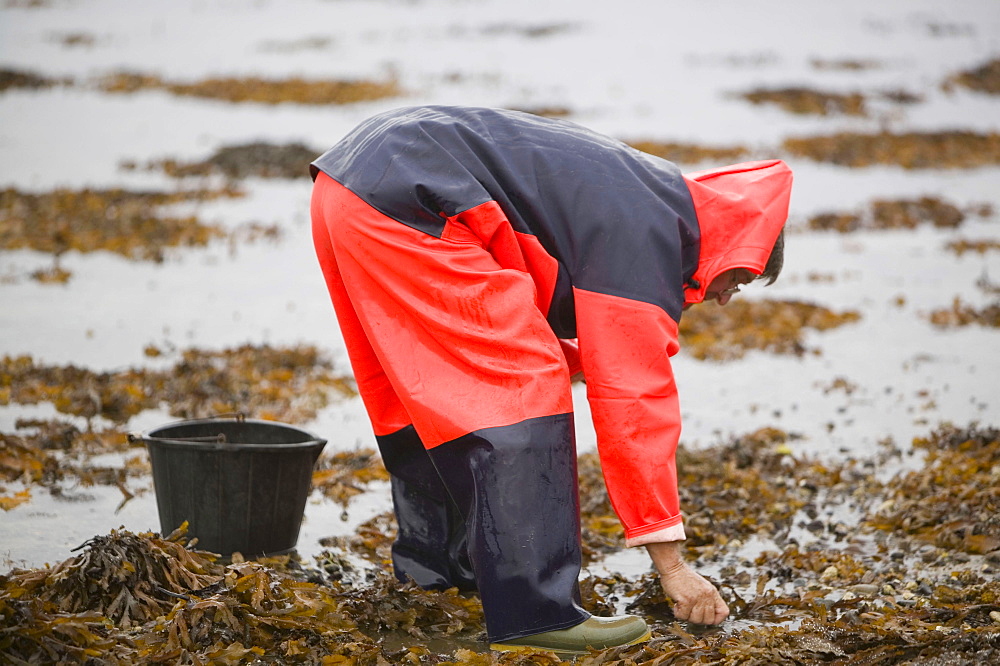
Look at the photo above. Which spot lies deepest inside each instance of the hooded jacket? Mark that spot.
(616, 241)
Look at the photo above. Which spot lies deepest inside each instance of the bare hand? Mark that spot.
(695, 599)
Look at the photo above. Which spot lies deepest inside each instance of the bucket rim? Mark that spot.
(148, 437)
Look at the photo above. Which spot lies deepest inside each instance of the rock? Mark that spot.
(864, 590)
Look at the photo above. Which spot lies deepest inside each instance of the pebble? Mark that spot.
(830, 573)
(995, 616)
(864, 590)
(888, 589)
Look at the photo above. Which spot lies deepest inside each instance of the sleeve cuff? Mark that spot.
(672, 533)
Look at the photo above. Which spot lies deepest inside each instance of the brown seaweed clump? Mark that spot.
(530, 31)
(805, 101)
(979, 246)
(910, 150)
(257, 90)
(691, 153)
(847, 65)
(115, 220)
(776, 326)
(892, 214)
(287, 384)
(345, 474)
(139, 598)
(544, 111)
(892, 592)
(132, 224)
(963, 314)
(953, 502)
(16, 78)
(984, 79)
(55, 455)
(751, 486)
(252, 160)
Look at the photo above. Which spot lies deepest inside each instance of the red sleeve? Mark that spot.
(625, 347)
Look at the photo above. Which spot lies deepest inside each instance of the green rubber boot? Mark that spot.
(594, 633)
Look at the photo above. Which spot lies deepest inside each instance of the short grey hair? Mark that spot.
(775, 261)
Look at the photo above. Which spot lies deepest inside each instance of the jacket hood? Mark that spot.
(741, 209)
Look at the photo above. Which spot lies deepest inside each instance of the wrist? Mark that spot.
(667, 556)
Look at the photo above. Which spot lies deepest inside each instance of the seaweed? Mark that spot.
(544, 111)
(530, 31)
(963, 314)
(805, 101)
(16, 78)
(896, 214)
(256, 90)
(958, 149)
(690, 153)
(51, 453)
(984, 79)
(953, 501)
(257, 160)
(980, 246)
(776, 326)
(346, 473)
(132, 224)
(847, 64)
(277, 383)
(139, 598)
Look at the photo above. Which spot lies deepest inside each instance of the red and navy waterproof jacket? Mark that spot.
(616, 241)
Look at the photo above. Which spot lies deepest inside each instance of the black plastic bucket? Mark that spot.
(241, 484)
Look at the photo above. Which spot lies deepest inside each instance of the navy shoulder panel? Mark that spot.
(619, 221)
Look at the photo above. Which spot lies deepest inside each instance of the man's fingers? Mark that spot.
(710, 610)
(721, 610)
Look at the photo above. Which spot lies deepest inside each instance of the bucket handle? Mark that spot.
(239, 417)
